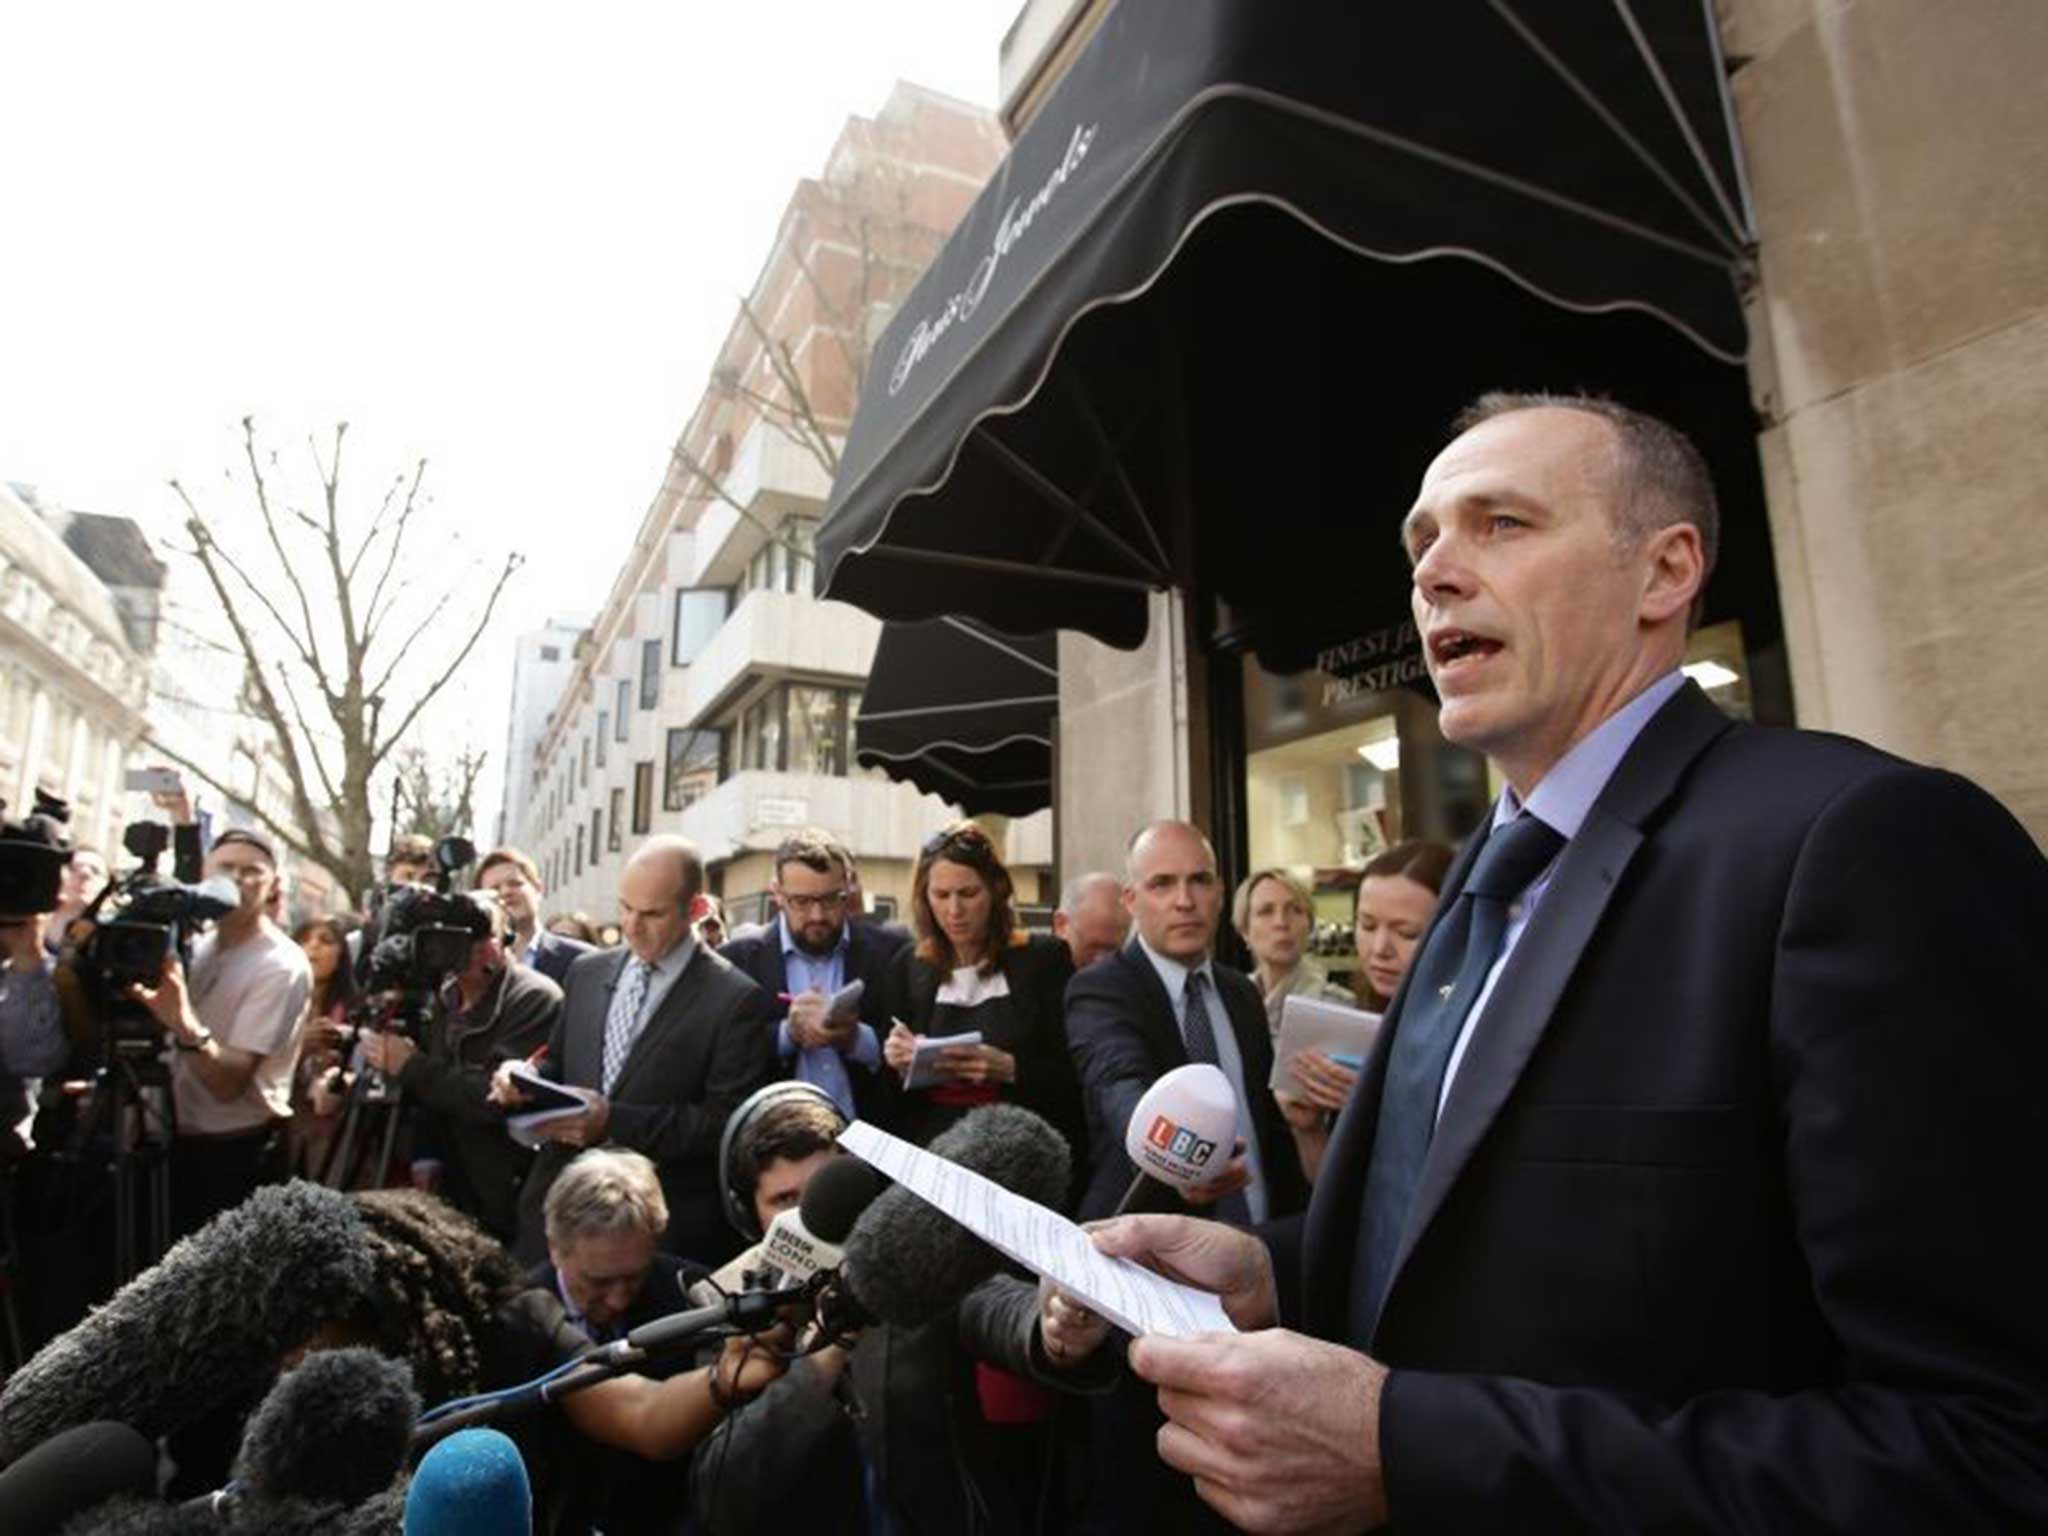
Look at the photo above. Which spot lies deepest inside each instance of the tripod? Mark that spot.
(375, 1109)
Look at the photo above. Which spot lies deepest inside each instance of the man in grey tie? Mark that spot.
(1160, 1002)
(667, 1033)
(1694, 1181)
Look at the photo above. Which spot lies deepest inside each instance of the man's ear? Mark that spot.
(1676, 569)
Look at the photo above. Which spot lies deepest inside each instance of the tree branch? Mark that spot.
(377, 750)
(309, 652)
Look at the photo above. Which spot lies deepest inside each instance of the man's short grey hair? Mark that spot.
(604, 1193)
(1077, 890)
(1660, 477)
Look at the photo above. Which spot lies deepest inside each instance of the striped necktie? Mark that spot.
(622, 1023)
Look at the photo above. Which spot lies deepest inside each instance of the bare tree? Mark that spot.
(436, 800)
(328, 614)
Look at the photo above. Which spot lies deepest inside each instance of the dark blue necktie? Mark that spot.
(1199, 1034)
(1449, 974)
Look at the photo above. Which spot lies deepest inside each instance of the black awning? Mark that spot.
(1228, 286)
(963, 713)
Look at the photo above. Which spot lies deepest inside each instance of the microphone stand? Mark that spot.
(744, 1312)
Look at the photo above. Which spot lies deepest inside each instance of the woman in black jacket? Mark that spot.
(973, 969)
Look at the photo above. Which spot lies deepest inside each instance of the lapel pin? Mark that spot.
(1446, 990)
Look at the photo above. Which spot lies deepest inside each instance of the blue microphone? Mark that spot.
(471, 1484)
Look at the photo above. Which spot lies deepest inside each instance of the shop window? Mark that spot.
(1714, 658)
(1345, 760)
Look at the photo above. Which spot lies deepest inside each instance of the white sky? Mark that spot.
(507, 237)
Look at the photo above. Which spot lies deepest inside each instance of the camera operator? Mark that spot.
(32, 1039)
(493, 1010)
(235, 1022)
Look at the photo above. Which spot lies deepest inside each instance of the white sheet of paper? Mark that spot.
(923, 1070)
(1043, 1241)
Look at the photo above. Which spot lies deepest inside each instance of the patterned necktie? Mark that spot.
(1200, 1035)
(1449, 974)
(622, 1023)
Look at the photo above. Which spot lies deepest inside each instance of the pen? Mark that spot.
(538, 1056)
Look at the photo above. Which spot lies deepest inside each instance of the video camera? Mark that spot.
(417, 937)
(33, 853)
(153, 918)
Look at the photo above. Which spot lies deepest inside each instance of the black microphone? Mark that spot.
(73, 1471)
(334, 1430)
(906, 1261)
(202, 1328)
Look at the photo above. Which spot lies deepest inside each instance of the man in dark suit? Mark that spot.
(1694, 1181)
(1158, 1003)
(668, 1035)
(1161, 1002)
(514, 879)
(812, 950)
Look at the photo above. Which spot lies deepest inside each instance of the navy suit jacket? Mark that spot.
(868, 953)
(1732, 1220)
(555, 954)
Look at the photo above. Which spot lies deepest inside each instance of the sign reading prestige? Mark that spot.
(1010, 228)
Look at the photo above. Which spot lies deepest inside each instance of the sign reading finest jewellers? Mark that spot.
(1379, 659)
(1011, 228)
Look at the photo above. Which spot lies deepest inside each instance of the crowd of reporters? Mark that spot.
(713, 1081)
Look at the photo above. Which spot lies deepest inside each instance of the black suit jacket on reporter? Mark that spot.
(1732, 1219)
(702, 1052)
(1121, 1030)
(868, 953)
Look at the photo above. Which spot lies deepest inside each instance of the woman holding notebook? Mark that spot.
(973, 972)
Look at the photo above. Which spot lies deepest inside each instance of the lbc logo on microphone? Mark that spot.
(1179, 1143)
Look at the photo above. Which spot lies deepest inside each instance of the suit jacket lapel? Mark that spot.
(1525, 998)
(1339, 1191)
(673, 1002)
(1155, 1015)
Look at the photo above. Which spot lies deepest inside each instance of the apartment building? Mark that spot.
(713, 695)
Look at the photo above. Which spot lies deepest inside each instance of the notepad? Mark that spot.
(923, 1070)
(1345, 1035)
(548, 1101)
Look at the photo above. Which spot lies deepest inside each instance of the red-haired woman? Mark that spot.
(973, 969)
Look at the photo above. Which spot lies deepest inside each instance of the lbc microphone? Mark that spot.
(1179, 1126)
(907, 1261)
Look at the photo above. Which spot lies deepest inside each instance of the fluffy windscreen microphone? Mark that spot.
(204, 1327)
(906, 1261)
(471, 1484)
(73, 1471)
(335, 1429)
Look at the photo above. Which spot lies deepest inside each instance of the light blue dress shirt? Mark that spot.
(1175, 976)
(1561, 802)
(821, 1065)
